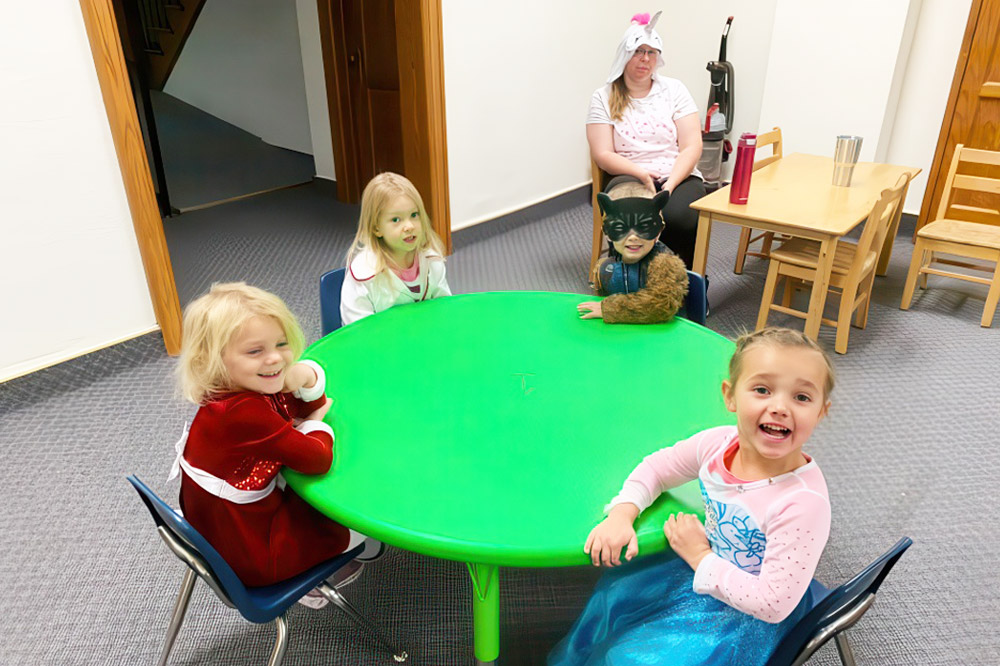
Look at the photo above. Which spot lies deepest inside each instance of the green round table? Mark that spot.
(492, 428)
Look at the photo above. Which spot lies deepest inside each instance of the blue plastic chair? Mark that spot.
(256, 604)
(329, 299)
(835, 611)
(696, 302)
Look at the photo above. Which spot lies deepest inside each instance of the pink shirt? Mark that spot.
(410, 275)
(766, 536)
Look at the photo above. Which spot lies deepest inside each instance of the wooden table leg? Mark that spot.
(824, 266)
(701, 243)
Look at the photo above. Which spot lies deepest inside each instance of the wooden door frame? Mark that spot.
(420, 59)
(425, 149)
(932, 193)
(109, 60)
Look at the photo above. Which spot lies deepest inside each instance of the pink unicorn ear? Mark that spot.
(640, 19)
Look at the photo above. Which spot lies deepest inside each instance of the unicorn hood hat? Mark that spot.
(640, 32)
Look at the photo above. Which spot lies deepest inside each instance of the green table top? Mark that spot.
(494, 427)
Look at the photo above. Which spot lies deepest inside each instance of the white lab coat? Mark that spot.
(364, 293)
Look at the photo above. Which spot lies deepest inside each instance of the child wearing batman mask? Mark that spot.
(643, 281)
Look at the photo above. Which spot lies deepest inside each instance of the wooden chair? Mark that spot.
(854, 267)
(975, 240)
(600, 180)
(773, 139)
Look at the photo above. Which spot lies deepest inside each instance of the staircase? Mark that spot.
(166, 25)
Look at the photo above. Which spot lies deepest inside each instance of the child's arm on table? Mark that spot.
(265, 433)
(658, 301)
(605, 542)
(795, 539)
(666, 468)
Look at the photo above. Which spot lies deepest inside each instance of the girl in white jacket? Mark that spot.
(396, 258)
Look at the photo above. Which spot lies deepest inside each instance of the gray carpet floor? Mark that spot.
(908, 449)
(207, 160)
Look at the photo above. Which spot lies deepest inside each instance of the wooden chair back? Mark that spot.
(600, 180)
(888, 206)
(974, 194)
(773, 139)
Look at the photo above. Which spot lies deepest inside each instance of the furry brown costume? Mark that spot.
(659, 300)
(659, 292)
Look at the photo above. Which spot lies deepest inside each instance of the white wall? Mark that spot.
(518, 85)
(71, 279)
(243, 63)
(832, 72)
(924, 94)
(312, 66)
(518, 82)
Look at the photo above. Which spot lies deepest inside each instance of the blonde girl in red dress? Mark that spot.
(259, 410)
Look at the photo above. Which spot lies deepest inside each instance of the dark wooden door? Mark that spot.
(385, 92)
(373, 85)
(972, 116)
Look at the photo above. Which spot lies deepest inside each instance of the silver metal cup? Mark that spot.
(845, 156)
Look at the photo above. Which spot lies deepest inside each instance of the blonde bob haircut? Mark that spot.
(379, 193)
(211, 321)
(778, 337)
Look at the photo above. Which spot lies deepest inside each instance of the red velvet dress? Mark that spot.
(244, 439)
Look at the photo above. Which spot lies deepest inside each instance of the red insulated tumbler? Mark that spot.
(740, 188)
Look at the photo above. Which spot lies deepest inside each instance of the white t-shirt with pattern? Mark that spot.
(646, 134)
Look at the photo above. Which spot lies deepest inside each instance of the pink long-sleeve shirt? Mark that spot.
(766, 536)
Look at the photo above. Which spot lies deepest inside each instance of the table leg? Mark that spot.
(701, 243)
(824, 266)
(485, 611)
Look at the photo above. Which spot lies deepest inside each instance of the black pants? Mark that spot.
(682, 222)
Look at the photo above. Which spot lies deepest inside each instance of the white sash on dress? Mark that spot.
(211, 484)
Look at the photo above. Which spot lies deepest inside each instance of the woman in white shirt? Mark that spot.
(645, 127)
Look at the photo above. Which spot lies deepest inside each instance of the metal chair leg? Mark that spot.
(340, 602)
(180, 608)
(280, 645)
(844, 648)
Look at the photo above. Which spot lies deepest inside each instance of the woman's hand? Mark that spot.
(590, 310)
(298, 376)
(686, 536)
(605, 542)
(647, 180)
(319, 413)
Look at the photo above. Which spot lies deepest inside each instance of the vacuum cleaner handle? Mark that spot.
(725, 36)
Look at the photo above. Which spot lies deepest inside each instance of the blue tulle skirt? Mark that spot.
(645, 612)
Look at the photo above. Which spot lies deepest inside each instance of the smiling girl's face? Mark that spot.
(778, 400)
(257, 356)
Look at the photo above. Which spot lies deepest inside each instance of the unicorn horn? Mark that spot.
(652, 22)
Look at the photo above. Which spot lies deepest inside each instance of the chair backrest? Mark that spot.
(696, 301)
(888, 206)
(773, 139)
(192, 548)
(983, 181)
(838, 604)
(329, 299)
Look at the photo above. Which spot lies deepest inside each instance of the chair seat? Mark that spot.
(963, 233)
(805, 252)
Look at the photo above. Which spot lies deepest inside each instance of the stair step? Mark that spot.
(167, 29)
(153, 51)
